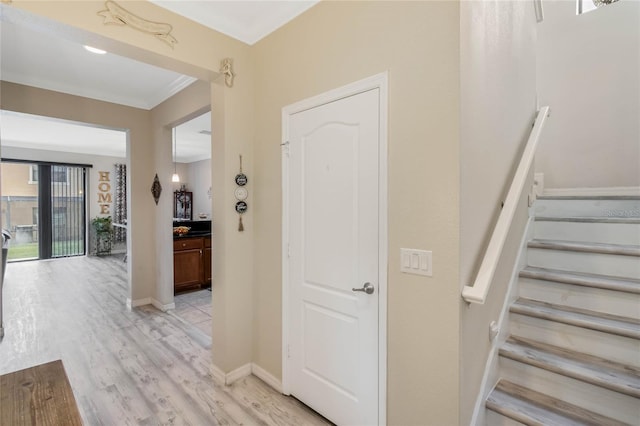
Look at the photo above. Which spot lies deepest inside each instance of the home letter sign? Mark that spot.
(104, 193)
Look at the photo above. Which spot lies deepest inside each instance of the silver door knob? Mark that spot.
(367, 288)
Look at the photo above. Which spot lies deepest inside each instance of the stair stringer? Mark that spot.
(491, 370)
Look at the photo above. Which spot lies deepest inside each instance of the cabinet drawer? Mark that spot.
(187, 244)
(207, 241)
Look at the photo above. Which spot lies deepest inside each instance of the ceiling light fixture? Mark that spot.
(95, 50)
(175, 177)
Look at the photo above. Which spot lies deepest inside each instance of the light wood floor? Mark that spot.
(139, 367)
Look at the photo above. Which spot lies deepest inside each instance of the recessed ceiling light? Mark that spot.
(94, 50)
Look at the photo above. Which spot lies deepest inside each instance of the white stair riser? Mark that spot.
(496, 419)
(594, 398)
(587, 208)
(615, 348)
(597, 232)
(593, 263)
(576, 296)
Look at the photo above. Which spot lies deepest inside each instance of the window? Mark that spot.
(59, 218)
(58, 210)
(58, 174)
(33, 174)
(584, 6)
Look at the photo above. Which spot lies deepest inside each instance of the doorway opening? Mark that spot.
(192, 207)
(145, 284)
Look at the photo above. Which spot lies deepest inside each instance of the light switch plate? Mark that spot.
(418, 262)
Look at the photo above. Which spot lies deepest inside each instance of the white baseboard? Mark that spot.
(138, 302)
(244, 371)
(218, 374)
(163, 308)
(238, 373)
(149, 301)
(266, 377)
(232, 376)
(594, 192)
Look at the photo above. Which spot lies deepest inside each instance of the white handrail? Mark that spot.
(477, 293)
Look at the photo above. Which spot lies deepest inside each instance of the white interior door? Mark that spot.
(333, 249)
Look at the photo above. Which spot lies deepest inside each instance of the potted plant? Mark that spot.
(102, 224)
(102, 238)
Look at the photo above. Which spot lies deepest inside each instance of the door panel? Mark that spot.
(341, 332)
(333, 232)
(68, 209)
(329, 197)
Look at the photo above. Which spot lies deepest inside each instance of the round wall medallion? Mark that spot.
(241, 193)
(241, 207)
(241, 179)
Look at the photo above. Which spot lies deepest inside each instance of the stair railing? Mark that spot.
(477, 293)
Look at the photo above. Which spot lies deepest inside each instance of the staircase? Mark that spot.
(573, 352)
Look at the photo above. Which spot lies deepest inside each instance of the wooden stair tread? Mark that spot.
(534, 408)
(614, 324)
(563, 244)
(587, 368)
(628, 285)
(602, 248)
(588, 219)
(588, 197)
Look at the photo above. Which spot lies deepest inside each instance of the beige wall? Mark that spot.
(189, 103)
(15, 183)
(333, 44)
(498, 105)
(232, 135)
(15, 179)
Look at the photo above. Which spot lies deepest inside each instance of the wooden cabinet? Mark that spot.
(188, 265)
(191, 263)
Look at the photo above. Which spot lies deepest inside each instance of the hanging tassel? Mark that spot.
(240, 225)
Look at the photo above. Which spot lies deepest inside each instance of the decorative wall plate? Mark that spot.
(241, 193)
(241, 179)
(241, 207)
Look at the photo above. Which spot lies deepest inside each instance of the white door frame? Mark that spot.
(378, 81)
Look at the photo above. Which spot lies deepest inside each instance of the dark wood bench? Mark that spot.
(39, 395)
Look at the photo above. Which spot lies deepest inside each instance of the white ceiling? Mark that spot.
(245, 20)
(45, 133)
(31, 58)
